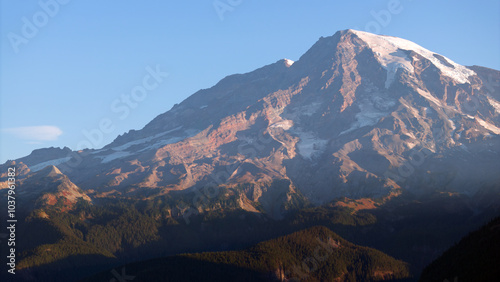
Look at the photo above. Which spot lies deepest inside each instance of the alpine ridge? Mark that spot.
(358, 115)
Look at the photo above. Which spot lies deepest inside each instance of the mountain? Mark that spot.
(358, 115)
(474, 258)
(389, 145)
(314, 254)
(50, 187)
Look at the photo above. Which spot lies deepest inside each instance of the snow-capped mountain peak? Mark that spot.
(355, 108)
(389, 51)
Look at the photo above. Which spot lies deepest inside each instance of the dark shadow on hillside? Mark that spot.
(69, 269)
(182, 269)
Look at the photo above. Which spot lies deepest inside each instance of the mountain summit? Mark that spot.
(49, 171)
(358, 115)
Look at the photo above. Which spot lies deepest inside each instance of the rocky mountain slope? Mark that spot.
(47, 187)
(388, 144)
(358, 115)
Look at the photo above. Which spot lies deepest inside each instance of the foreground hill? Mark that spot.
(92, 237)
(314, 254)
(475, 258)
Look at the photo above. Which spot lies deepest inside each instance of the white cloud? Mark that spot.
(35, 133)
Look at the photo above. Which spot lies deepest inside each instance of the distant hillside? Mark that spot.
(475, 258)
(314, 254)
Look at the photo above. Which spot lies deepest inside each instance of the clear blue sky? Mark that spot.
(67, 73)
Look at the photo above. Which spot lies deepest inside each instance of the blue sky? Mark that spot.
(65, 65)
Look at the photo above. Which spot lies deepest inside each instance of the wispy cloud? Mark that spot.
(35, 133)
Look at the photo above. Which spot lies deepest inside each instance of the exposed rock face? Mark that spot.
(50, 186)
(358, 115)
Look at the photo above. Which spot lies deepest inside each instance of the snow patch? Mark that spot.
(187, 134)
(119, 152)
(452, 124)
(286, 124)
(202, 107)
(411, 144)
(288, 62)
(388, 52)
(310, 145)
(489, 126)
(494, 103)
(162, 143)
(114, 156)
(55, 162)
(144, 140)
(392, 63)
(371, 110)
